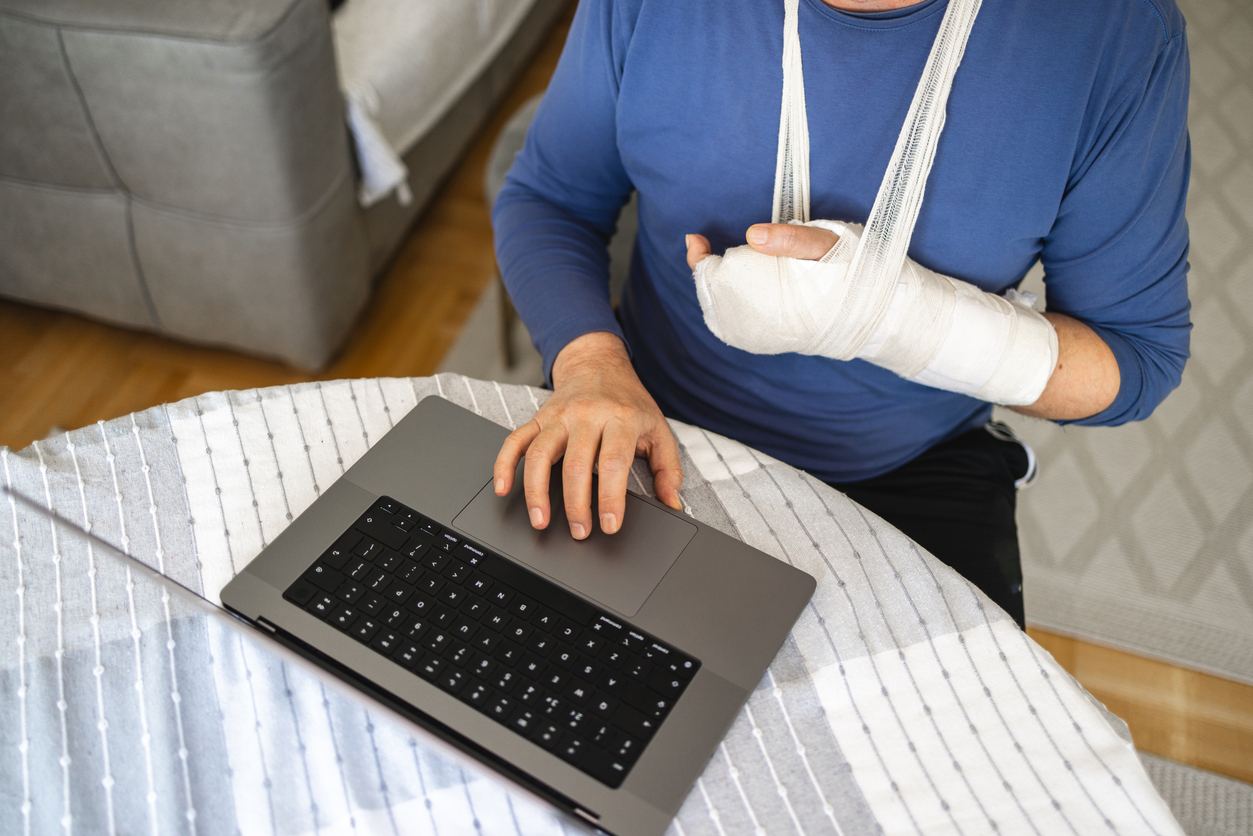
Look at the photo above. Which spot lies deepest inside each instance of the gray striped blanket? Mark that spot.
(903, 703)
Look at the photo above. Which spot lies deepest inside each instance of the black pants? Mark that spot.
(957, 501)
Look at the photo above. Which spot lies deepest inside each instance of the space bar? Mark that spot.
(544, 592)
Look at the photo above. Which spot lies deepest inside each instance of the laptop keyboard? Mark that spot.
(570, 677)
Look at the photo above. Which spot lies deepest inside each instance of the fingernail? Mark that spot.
(687, 241)
(757, 235)
(578, 531)
(500, 486)
(608, 523)
(537, 517)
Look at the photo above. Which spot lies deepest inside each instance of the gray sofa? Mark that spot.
(184, 167)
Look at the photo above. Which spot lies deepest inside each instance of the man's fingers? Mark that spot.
(791, 240)
(663, 459)
(617, 453)
(698, 250)
(576, 478)
(510, 454)
(547, 447)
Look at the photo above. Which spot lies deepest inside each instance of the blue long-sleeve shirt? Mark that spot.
(1065, 141)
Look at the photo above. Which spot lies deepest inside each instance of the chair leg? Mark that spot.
(507, 317)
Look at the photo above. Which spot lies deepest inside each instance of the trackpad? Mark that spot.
(619, 571)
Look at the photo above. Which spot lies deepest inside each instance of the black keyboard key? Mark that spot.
(378, 581)
(386, 642)
(436, 641)
(367, 548)
(483, 665)
(388, 505)
(554, 678)
(667, 684)
(590, 643)
(474, 607)
(337, 554)
(486, 642)
(447, 541)
(414, 627)
(410, 572)
(586, 669)
(518, 631)
(551, 705)
(301, 592)
(501, 709)
(470, 553)
(632, 640)
(457, 572)
(571, 750)
(430, 528)
(344, 617)
(524, 722)
(431, 666)
(435, 561)
(646, 699)
(403, 524)
(639, 669)
(479, 583)
(541, 644)
(444, 616)
(322, 606)
(324, 577)
(365, 628)
(544, 619)
(395, 616)
(500, 596)
(614, 657)
(531, 665)
(399, 592)
(578, 692)
(379, 526)
(604, 767)
(459, 654)
(496, 619)
(408, 655)
(416, 548)
(464, 629)
(635, 723)
(505, 681)
(568, 631)
(510, 654)
(478, 694)
(452, 680)
(607, 628)
(371, 603)
(452, 595)
(431, 584)
(549, 735)
(628, 749)
(521, 606)
(564, 656)
(529, 693)
(358, 569)
(350, 592)
(603, 704)
(421, 604)
(576, 720)
(389, 561)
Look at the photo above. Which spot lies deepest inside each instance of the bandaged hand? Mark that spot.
(926, 327)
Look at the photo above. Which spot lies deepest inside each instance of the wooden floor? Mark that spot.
(62, 371)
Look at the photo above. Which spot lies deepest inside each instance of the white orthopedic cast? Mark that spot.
(866, 298)
(926, 327)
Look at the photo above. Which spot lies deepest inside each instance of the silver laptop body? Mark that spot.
(670, 620)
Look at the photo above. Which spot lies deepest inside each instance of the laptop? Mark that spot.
(601, 674)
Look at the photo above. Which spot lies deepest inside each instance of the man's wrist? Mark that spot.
(593, 349)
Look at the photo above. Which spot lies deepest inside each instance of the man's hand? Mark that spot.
(785, 240)
(599, 413)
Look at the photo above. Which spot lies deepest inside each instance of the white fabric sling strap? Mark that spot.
(866, 299)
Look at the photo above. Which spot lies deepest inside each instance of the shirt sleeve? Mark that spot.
(559, 206)
(1117, 255)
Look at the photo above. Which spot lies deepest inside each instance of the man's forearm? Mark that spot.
(1086, 378)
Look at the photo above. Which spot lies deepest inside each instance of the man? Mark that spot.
(1065, 141)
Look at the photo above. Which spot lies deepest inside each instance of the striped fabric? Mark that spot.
(904, 702)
